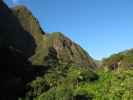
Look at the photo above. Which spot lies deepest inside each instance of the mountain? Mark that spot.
(29, 23)
(63, 46)
(32, 26)
(66, 50)
(13, 34)
(16, 46)
(122, 59)
(35, 65)
(33, 62)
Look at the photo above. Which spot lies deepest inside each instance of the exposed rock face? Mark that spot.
(19, 42)
(69, 52)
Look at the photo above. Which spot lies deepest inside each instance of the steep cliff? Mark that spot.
(67, 50)
(29, 58)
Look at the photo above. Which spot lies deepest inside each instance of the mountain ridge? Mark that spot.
(122, 59)
(56, 40)
(40, 66)
(21, 45)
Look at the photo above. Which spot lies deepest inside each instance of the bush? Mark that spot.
(82, 94)
(59, 93)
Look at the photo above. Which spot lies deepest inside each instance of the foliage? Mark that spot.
(68, 77)
(68, 82)
(123, 59)
(112, 85)
(61, 83)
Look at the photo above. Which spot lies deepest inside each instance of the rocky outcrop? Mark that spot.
(68, 51)
(23, 43)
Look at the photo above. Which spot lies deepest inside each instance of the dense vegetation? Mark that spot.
(121, 59)
(81, 84)
(69, 82)
(61, 83)
(39, 66)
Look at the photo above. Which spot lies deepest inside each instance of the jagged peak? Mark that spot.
(27, 19)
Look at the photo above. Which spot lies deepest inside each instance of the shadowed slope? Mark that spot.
(16, 46)
(13, 34)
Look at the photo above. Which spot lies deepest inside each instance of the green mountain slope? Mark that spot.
(13, 34)
(31, 25)
(21, 45)
(39, 66)
(16, 46)
(29, 22)
(64, 47)
(67, 51)
(123, 59)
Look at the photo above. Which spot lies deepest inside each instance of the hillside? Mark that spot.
(29, 23)
(30, 59)
(32, 26)
(39, 66)
(122, 59)
(16, 46)
(64, 47)
(13, 34)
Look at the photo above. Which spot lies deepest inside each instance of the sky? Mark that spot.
(101, 27)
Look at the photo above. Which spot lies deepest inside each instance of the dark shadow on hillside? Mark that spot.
(16, 47)
(13, 34)
(16, 71)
